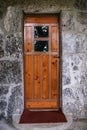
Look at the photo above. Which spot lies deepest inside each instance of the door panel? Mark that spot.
(28, 38)
(54, 36)
(45, 76)
(28, 76)
(37, 77)
(42, 105)
(41, 58)
(41, 20)
(54, 72)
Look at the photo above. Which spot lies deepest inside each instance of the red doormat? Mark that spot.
(42, 117)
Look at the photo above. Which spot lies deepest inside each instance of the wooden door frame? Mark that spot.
(60, 48)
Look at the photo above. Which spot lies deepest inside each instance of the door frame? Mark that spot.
(60, 49)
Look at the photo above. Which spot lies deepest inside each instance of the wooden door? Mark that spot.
(41, 62)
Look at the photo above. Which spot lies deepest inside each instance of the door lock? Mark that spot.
(57, 57)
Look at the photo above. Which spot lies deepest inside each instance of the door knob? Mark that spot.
(57, 57)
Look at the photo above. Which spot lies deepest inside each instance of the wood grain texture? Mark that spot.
(40, 20)
(28, 75)
(37, 76)
(28, 39)
(55, 43)
(45, 75)
(41, 104)
(54, 77)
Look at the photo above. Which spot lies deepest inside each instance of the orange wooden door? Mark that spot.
(41, 62)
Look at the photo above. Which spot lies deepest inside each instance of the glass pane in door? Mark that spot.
(41, 46)
(41, 31)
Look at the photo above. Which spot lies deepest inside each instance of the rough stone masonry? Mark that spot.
(73, 32)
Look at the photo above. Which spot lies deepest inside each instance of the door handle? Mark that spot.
(57, 57)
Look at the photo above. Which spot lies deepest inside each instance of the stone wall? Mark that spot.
(74, 57)
(11, 63)
(73, 31)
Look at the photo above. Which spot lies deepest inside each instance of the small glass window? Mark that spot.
(41, 31)
(41, 46)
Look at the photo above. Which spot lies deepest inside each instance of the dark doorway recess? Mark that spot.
(42, 117)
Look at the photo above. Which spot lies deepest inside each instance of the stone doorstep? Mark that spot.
(44, 126)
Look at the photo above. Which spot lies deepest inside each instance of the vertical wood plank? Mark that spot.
(28, 38)
(55, 40)
(37, 76)
(54, 77)
(45, 79)
(28, 75)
